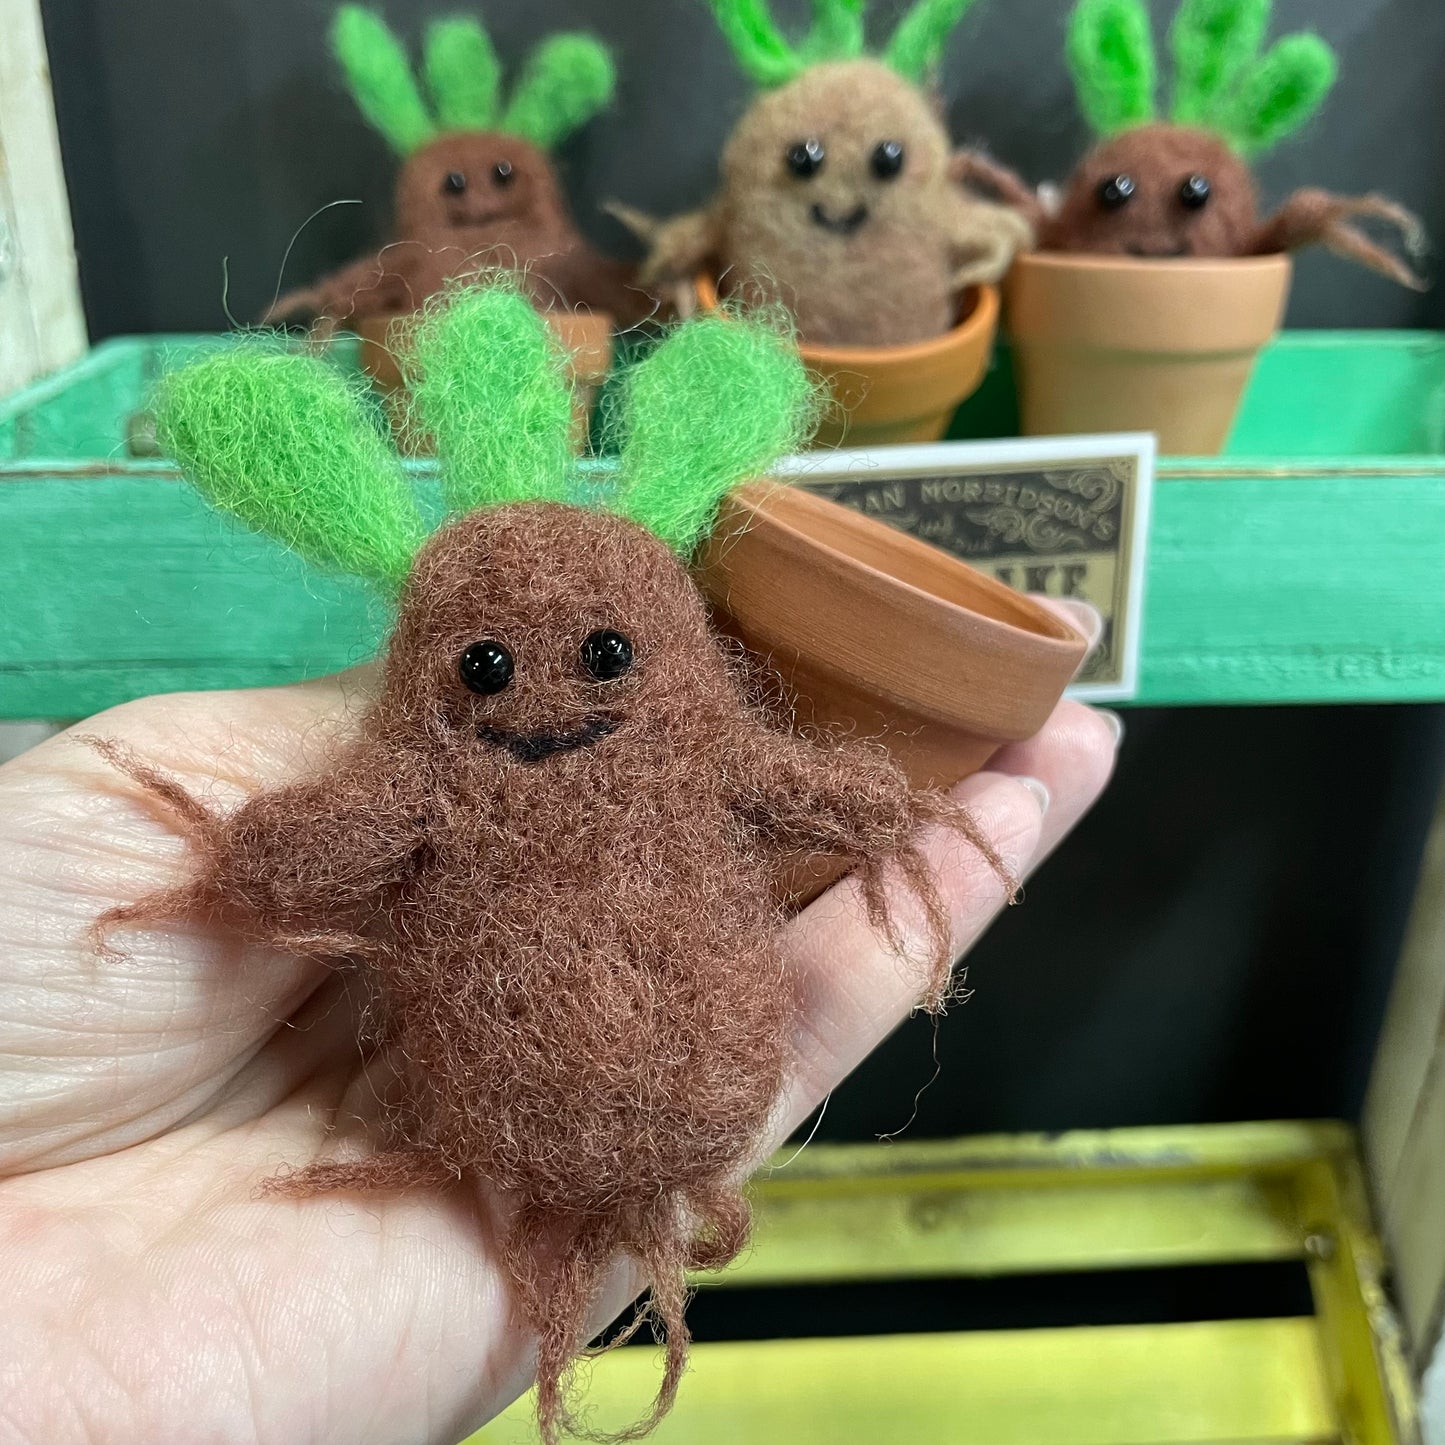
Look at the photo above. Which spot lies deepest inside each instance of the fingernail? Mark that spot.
(1116, 723)
(1088, 619)
(1041, 793)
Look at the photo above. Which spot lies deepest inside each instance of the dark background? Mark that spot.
(195, 130)
(1216, 940)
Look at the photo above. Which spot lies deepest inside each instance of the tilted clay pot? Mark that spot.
(1115, 343)
(586, 335)
(884, 395)
(883, 635)
(878, 635)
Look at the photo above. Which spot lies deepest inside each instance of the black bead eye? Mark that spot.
(805, 159)
(503, 174)
(485, 667)
(1116, 192)
(887, 159)
(1194, 192)
(606, 655)
(454, 183)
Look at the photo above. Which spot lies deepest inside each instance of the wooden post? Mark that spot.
(1404, 1122)
(41, 323)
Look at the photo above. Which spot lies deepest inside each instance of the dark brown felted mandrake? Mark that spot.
(553, 848)
(1183, 186)
(477, 189)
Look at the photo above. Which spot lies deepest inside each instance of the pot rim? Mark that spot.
(1055, 635)
(981, 315)
(1184, 267)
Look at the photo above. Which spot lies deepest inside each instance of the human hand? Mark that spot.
(149, 1294)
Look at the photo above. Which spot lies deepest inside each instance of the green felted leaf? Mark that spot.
(1279, 93)
(835, 34)
(1111, 54)
(379, 77)
(567, 79)
(916, 47)
(756, 42)
(488, 382)
(718, 402)
(285, 443)
(1214, 42)
(463, 74)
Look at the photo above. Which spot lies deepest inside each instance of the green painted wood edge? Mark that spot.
(1272, 578)
(1292, 582)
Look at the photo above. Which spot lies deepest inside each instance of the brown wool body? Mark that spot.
(1160, 160)
(574, 955)
(858, 258)
(1182, 187)
(509, 214)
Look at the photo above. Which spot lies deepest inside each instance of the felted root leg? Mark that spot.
(724, 1221)
(167, 905)
(389, 1172)
(557, 1269)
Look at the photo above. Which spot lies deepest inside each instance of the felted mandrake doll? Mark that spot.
(1184, 187)
(836, 198)
(476, 189)
(554, 845)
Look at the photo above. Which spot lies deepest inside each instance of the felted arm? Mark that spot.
(1311, 216)
(855, 804)
(977, 172)
(390, 280)
(582, 276)
(677, 249)
(304, 868)
(800, 797)
(985, 239)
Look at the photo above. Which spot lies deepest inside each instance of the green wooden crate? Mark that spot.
(1307, 564)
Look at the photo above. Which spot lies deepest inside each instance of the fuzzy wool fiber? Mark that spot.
(1155, 221)
(379, 76)
(1213, 42)
(274, 441)
(562, 890)
(857, 258)
(1111, 54)
(836, 32)
(463, 73)
(1224, 78)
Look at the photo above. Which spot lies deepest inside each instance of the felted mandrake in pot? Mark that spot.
(476, 193)
(1157, 281)
(836, 203)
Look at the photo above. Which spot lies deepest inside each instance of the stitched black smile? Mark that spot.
(533, 747)
(1159, 253)
(842, 225)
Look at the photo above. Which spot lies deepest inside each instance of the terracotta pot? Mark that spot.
(883, 635)
(1112, 343)
(587, 335)
(889, 394)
